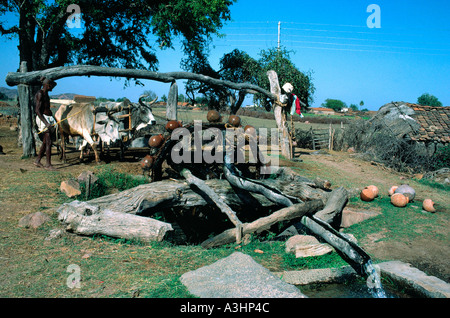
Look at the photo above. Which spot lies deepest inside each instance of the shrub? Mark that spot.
(109, 179)
(441, 159)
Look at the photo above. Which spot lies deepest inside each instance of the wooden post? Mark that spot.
(26, 120)
(280, 119)
(172, 102)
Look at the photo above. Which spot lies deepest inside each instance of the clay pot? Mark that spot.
(234, 121)
(392, 190)
(172, 125)
(156, 141)
(367, 194)
(406, 190)
(428, 205)
(250, 130)
(399, 200)
(147, 162)
(213, 116)
(374, 189)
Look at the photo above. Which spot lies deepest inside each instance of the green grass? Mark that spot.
(398, 224)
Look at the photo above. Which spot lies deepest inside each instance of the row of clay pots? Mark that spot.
(156, 141)
(400, 196)
(213, 116)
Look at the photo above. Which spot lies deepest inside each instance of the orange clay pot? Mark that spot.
(367, 194)
(428, 205)
(399, 200)
(374, 189)
(392, 190)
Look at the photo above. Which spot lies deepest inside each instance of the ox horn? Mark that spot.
(141, 102)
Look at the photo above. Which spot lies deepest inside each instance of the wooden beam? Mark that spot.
(31, 78)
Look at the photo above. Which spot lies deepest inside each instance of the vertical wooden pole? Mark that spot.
(172, 102)
(26, 120)
(280, 118)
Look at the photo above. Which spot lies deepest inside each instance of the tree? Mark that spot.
(3, 96)
(334, 104)
(280, 61)
(114, 33)
(428, 100)
(239, 67)
(353, 107)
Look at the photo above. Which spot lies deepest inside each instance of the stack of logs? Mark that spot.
(290, 194)
(292, 197)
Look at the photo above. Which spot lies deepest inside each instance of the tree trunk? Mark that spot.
(332, 213)
(26, 117)
(192, 180)
(172, 102)
(168, 193)
(264, 223)
(85, 219)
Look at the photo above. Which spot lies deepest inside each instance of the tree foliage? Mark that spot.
(280, 61)
(115, 33)
(428, 100)
(334, 104)
(239, 67)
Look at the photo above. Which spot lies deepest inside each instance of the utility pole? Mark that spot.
(279, 34)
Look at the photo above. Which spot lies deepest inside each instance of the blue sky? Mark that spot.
(409, 55)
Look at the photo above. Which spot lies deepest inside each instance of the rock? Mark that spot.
(70, 187)
(54, 234)
(440, 176)
(84, 177)
(350, 216)
(237, 276)
(405, 274)
(314, 276)
(407, 191)
(33, 220)
(306, 245)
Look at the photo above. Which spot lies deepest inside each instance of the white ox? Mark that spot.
(78, 120)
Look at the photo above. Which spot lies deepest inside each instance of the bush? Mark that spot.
(441, 159)
(381, 145)
(108, 179)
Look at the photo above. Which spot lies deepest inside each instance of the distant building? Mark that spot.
(322, 111)
(427, 126)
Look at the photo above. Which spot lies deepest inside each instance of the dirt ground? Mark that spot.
(428, 255)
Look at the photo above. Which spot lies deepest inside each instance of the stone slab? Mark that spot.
(237, 276)
(322, 275)
(405, 274)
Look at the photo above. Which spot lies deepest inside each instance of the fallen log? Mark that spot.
(332, 212)
(264, 223)
(193, 180)
(156, 196)
(85, 219)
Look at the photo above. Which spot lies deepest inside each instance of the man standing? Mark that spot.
(45, 122)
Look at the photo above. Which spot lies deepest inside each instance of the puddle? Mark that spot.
(352, 289)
